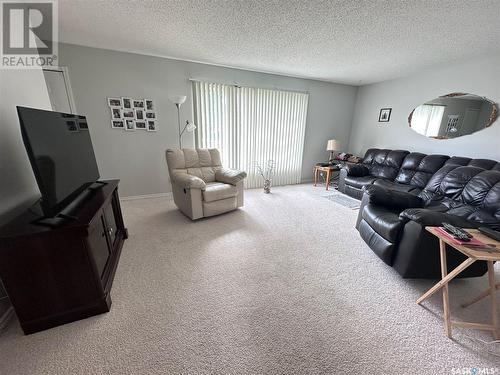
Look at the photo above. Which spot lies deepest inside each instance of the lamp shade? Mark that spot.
(190, 127)
(333, 145)
(178, 99)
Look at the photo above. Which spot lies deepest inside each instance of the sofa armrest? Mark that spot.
(230, 176)
(357, 170)
(187, 181)
(391, 199)
(428, 218)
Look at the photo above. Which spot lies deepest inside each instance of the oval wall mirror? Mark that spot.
(453, 115)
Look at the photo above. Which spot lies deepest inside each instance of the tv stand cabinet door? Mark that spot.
(114, 221)
(110, 222)
(98, 245)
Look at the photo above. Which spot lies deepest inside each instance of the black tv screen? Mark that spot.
(61, 155)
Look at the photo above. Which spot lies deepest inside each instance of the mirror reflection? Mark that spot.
(453, 115)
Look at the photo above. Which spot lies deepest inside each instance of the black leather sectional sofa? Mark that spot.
(401, 193)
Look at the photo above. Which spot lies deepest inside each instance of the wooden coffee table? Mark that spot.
(328, 169)
(473, 254)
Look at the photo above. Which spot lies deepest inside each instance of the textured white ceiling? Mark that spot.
(353, 42)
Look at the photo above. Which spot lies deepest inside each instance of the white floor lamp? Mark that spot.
(178, 100)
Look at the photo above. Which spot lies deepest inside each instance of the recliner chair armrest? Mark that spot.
(230, 176)
(188, 181)
(356, 170)
(435, 219)
(392, 199)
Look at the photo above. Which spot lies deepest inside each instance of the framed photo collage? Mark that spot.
(132, 114)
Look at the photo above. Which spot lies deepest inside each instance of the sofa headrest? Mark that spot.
(458, 160)
(390, 158)
(455, 180)
(483, 190)
(384, 163)
(480, 163)
(412, 160)
(192, 158)
(417, 168)
(395, 158)
(371, 153)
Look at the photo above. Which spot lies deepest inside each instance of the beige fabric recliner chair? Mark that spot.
(200, 185)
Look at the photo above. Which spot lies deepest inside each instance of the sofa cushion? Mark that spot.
(370, 155)
(483, 163)
(219, 207)
(386, 223)
(217, 190)
(409, 167)
(458, 160)
(201, 162)
(484, 187)
(455, 181)
(487, 164)
(359, 182)
(417, 168)
(386, 163)
(394, 185)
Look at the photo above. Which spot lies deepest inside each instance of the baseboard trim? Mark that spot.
(147, 196)
(6, 317)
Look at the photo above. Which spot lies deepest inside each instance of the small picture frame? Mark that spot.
(129, 124)
(150, 115)
(116, 113)
(127, 103)
(139, 114)
(72, 126)
(385, 115)
(128, 113)
(117, 124)
(151, 126)
(141, 125)
(149, 105)
(82, 123)
(115, 102)
(139, 103)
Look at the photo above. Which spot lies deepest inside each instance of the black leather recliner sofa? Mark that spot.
(426, 190)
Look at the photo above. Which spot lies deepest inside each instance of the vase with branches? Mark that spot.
(266, 172)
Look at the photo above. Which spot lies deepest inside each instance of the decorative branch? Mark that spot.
(266, 171)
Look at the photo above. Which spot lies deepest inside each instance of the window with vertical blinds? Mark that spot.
(251, 125)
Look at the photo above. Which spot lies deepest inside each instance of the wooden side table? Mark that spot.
(328, 169)
(473, 254)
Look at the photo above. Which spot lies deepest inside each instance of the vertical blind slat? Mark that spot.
(252, 125)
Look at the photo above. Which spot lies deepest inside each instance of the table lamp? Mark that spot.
(332, 146)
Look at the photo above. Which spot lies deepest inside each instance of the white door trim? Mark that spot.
(67, 83)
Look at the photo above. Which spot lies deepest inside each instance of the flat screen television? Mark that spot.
(61, 155)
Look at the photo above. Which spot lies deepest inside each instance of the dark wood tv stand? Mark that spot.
(58, 275)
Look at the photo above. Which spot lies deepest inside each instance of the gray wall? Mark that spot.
(137, 158)
(480, 76)
(18, 188)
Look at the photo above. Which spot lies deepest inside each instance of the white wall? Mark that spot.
(480, 76)
(18, 187)
(137, 158)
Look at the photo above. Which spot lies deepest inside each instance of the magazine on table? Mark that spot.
(474, 243)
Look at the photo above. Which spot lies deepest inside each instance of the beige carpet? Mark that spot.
(283, 286)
